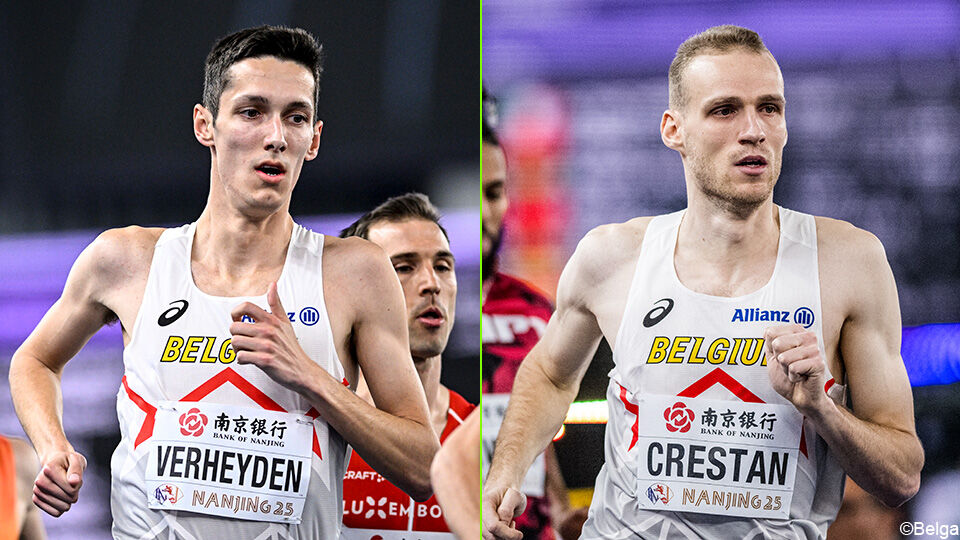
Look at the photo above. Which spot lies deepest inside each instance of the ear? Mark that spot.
(315, 143)
(671, 130)
(203, 125)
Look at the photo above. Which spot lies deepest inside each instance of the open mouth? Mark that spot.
(272, 170)
(752, 161)
(752, 165)
(431, 317)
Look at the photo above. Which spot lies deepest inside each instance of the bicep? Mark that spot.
(572, 334)
(567, 345)
(870, 346)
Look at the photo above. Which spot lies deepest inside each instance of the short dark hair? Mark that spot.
(396, 209)
(490, 118)
(294, 44)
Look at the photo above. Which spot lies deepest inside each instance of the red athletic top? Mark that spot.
(514, 317)
(371, 502)
(9, 524)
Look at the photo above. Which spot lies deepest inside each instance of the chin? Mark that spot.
(754, 194)
(265, 205)
(738, 191)
(427, 348)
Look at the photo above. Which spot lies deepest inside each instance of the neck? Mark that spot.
(239, 243)
(720, 230)
(438, 398)
(727, 253)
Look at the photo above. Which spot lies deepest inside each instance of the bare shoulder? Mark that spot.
(118, 252)
(855, 277)
(358, 268)
(111, 272)
(846, 248)
(354, 257)
(117, 258)
(603, 259)
(614, 241)
(609, 246)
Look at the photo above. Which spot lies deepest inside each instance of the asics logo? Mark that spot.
(658, 312)
(174, 313)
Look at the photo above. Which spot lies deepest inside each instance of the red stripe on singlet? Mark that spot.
(631, 408)
(146, 430)
(719, 376)
(231, 376)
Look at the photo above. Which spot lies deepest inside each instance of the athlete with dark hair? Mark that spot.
(514, 317)
(408, 229)
(242, 332)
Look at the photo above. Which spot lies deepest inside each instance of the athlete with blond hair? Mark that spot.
(756, 348)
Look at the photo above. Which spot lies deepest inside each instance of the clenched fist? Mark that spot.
(796, 367)
(58, 483)
(500, 507)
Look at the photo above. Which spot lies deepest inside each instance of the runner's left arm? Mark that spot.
(876, 441)
(395, 437)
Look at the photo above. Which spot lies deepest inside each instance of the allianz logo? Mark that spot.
(309, 316)
(803, 316)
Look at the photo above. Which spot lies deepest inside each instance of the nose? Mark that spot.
(753, 132)
(429, 282)
(275, 139)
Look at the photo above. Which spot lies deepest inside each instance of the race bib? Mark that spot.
(720, 457)
(494, 408)
(231, 461)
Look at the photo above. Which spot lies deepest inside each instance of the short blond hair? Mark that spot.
(718, 39)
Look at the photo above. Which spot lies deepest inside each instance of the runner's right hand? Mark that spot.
(500, 507)
(58, 483)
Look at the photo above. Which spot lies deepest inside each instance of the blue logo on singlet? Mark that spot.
(309, 316)
(804, 317)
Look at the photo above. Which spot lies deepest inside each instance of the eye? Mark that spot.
(725, 110)
(443, 267)
(493, 193)
(770, 108)
(403, 268)
(299, 119)
(250, 113)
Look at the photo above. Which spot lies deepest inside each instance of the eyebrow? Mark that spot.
(410, 255)
(253, 98)
(773, 98)
(732, 100)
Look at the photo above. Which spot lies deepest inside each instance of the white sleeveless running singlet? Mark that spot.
(179, 352)
(693, 418)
